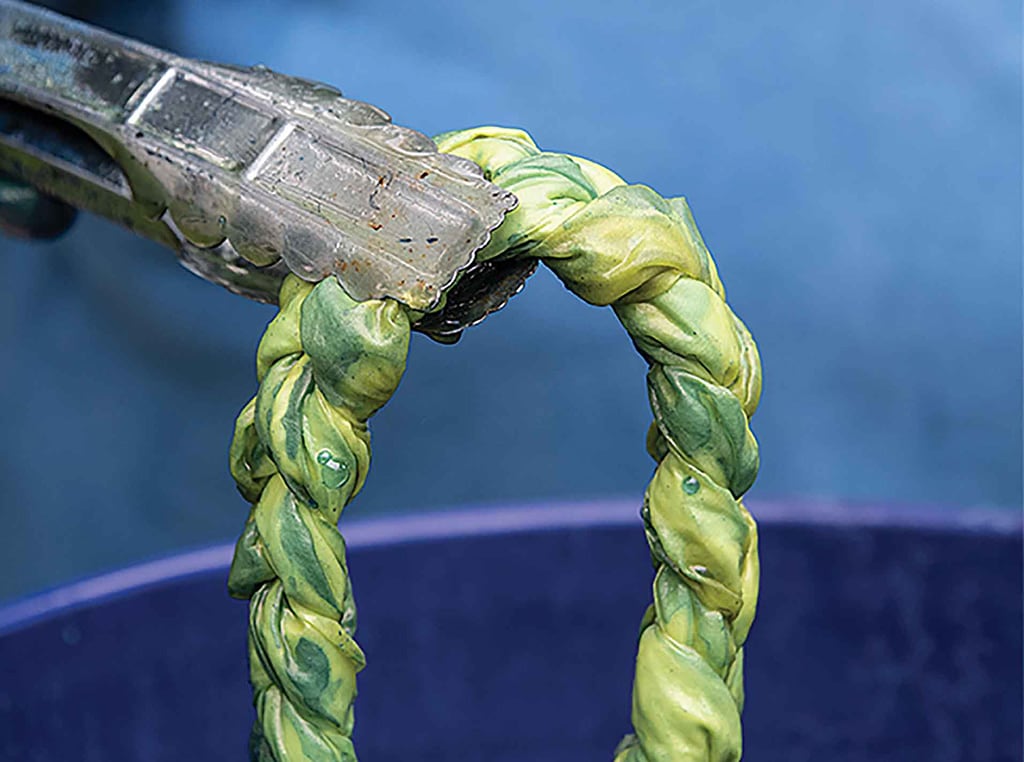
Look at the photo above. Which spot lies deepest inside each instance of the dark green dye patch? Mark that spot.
(292, 421)
(297, 544)
(314, 671)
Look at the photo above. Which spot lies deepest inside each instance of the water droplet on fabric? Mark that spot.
(690, 485)
(333, 473)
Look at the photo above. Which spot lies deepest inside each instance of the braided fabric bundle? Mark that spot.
(625, 246)
(301, 451)
(326, 363)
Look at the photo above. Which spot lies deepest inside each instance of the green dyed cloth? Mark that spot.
(327, 363)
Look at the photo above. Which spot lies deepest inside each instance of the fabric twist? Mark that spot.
(327, 363)
(624, 246)
(300, 453)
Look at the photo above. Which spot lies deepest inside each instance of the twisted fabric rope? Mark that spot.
(625, 246)
(327, 363)
(300, 453)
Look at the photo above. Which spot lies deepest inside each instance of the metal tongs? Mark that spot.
(248, 174)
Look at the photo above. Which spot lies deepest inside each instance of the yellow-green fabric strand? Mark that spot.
(624, 246)
(300, 453)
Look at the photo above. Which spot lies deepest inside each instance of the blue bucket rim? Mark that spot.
(494, 521)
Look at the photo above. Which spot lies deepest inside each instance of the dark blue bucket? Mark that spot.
(510, 634)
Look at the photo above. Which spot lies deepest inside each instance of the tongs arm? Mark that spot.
(247, 174)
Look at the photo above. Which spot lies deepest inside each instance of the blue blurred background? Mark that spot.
(855, 167)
